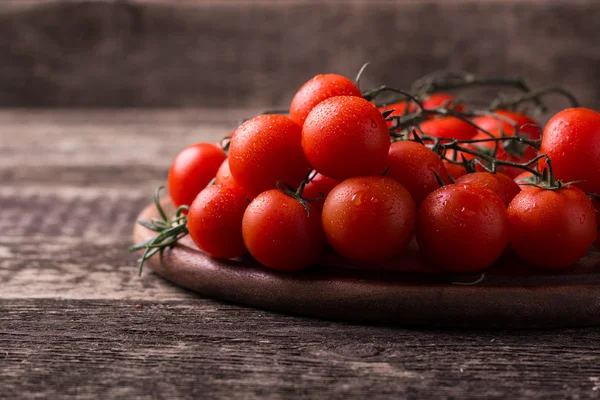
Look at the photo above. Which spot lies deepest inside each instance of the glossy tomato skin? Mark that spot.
(280, 234)
(316, 90)
(319, 185)
(436, 100)
(454, 170)
(369, 219)
(526, 179)
(346, 136)
(462, 228)
(264, 150)
(572, 141)
(527, 126)
(224, 176)
(552, 228)
(193, 169)
(528, 153)
(449, 127)
(415, 166)
(505, 187)
(215, 221)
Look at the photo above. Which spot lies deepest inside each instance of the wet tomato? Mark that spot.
(414, 166)
(193, 169)
(215, 221)
(505, 187)
(572, 141)
(369, 219)
(346, 136)
(280, 233)
(462, 228)
(316, 90)
(552, 228)
(264, 150)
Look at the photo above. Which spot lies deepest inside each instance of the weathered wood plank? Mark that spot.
(72, 243)
(200, 348)
(216, 54)
(126, 149)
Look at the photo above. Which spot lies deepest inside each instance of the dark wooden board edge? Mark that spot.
(352, 297)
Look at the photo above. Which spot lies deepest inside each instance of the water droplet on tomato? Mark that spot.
(357, 197)
(582, 219)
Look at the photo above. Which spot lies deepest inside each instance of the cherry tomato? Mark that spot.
(223, 176)
(433, 101)
(513, 152)
(489, 124)
(526, 179)
(572, 140)
(369, 219)
(454, 170)
(462, 228)
(193, 169)
(316, 90)
(506, 188)
(215, 221)
(415, 166)
(264, 150)
(448, 127)
(552, 228)
(319, 185)
(436, 100)
(280, 234)
(346, 136)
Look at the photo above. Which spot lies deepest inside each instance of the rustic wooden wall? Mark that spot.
(241, 53)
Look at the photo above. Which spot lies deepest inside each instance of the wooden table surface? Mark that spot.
(77, 322)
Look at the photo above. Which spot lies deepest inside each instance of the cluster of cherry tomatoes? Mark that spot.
(365, 178)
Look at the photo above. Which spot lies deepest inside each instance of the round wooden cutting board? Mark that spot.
(404, 292)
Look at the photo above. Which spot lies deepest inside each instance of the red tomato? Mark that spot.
(316, 90)
(415, 166)
(215, 221)
(462, 228)
(519, 153)
(454, 170)
(489, 124)
(552, 228)
(264, 150)
(319, 184)
(448, 127)
(526, 179)
(433, 101)
(502, 185)
(346, 136)
(369, 218)
(572, 141)
(192, 170)
(280, 234)
(223, 176)
(436, 100)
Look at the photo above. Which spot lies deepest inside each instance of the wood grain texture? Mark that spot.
(232, 53)
(77, 323)
(200, 348)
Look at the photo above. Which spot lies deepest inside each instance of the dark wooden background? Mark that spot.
(257, 53)
(75, 319)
